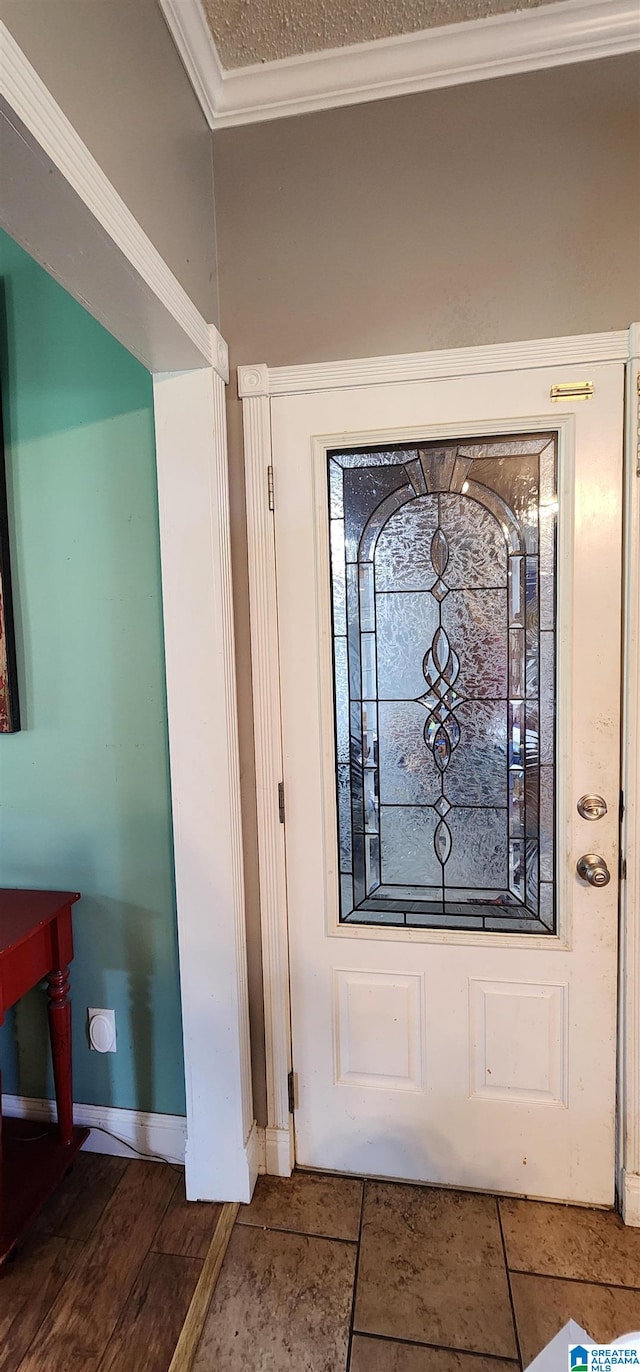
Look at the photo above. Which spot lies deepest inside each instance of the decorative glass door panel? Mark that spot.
(443, 596)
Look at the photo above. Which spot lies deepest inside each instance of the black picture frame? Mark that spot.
(9, 703)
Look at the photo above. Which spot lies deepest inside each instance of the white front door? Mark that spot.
(449, 584)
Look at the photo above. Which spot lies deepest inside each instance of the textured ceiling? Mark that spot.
(247, 31)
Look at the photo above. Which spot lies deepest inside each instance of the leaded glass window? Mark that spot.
(443, 595)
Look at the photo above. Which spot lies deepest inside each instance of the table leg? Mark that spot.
(60, 1034)
(1, 1172)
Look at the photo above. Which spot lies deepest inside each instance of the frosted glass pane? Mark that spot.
(342, 699)
(479, 849)
(344, 817)
(338, 576)
(443, 589)
(403, 551)
(364, 491)
(478, 619)
(406, 843)
(336, 502)
(477, 772)
(477, 547)
(406, 624)
(408, 773)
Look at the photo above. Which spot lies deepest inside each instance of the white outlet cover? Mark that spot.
(102, 1030)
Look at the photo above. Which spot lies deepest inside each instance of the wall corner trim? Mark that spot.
(193, 498)
(550, 35)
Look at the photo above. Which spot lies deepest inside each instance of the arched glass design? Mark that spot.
(443, 592)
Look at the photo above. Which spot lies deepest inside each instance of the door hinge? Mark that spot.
(281, 801)
(291, 1091)
(574, 390)
(622, 868)
(270, 487)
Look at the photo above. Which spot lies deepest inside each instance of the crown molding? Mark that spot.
(478, 50)
(188, 26)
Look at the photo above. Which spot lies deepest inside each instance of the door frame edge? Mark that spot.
(629, 1021)
(265, 674)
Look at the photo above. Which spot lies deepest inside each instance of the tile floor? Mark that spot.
(327, 1274)
(322, 1274)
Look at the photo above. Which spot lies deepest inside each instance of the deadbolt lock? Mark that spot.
(592, 807)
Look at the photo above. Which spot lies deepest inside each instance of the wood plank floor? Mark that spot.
(104, 1281)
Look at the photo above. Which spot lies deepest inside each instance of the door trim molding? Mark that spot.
(629, 1031)
(256, 385)
(268, 753)
(65, 212)
(573, 350)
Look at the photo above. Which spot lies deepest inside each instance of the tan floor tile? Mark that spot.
(282, 1304)
(385, 1355)
(568, 1241)
(306, 1203)
(432, 1269)
(543, 1305)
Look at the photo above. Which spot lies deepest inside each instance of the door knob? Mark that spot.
(593, 869)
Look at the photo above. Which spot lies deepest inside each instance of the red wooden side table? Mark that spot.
(36, 942)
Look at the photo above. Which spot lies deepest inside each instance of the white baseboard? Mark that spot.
(630, 1198)
(125, 1133)
(255, 1153)
(278, 1152)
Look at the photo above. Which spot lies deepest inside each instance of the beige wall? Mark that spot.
(505, 210)
(112, 67)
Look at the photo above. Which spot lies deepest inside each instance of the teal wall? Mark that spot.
(84, 788)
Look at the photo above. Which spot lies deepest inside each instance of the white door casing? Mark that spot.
(534, 1146)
